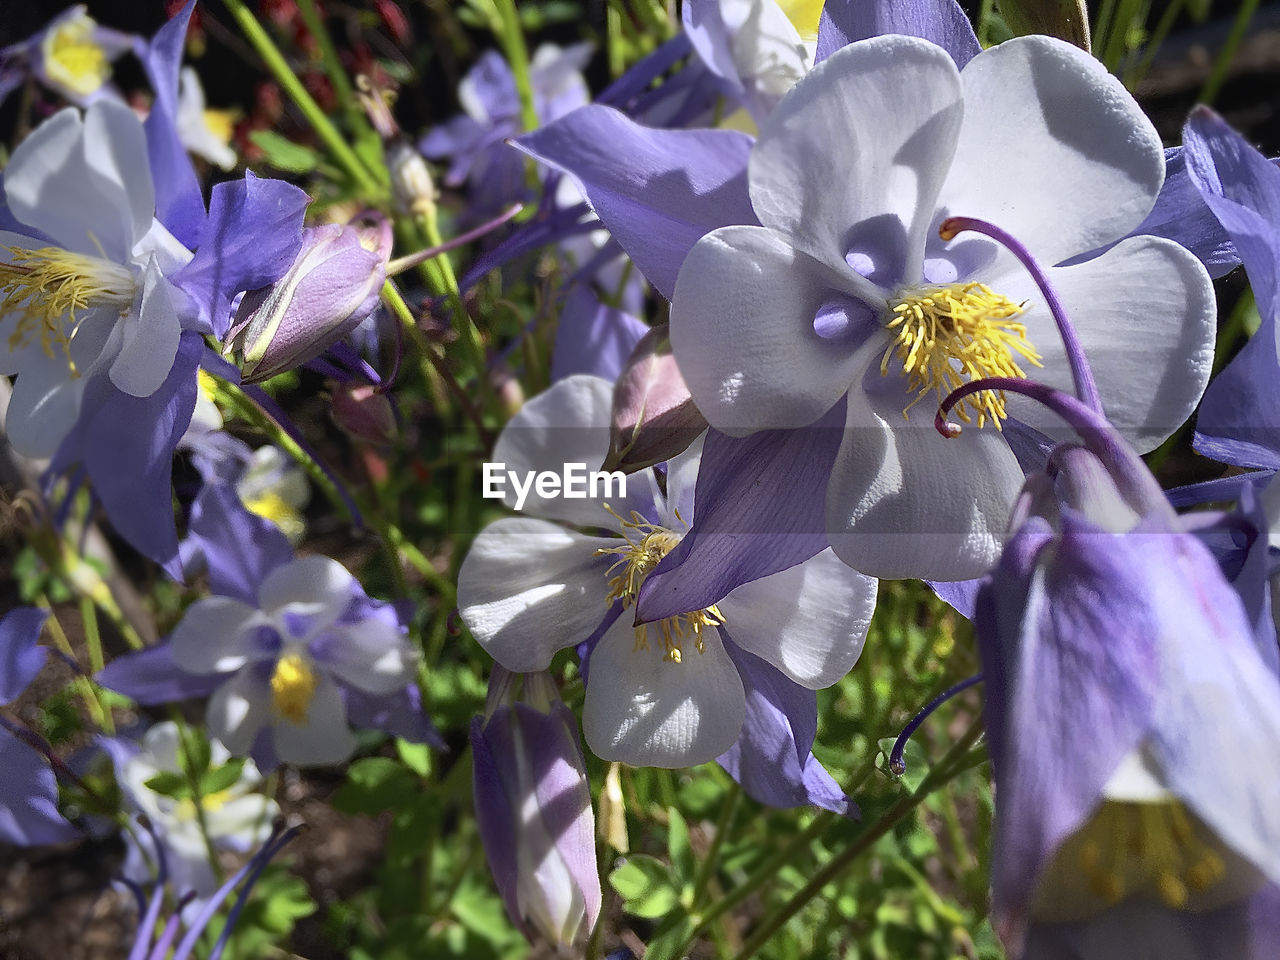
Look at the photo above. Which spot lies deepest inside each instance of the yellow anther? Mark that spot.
(946, 336)
(72, 57)
(270, 505)
(646, 544)
(48, 286)
(293, 686)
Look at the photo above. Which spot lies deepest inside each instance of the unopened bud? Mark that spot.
(1065, 19)
(364, 413)
(334, 283)
(412, 189)
(654, 417)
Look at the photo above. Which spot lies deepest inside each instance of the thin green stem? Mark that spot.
(707, 869)
(332, 64)
(92, 636)
(84, 686)
(311, 111)
(188, 765)
(939, 775)
(1165, 24)
(1223, 63)
(511, 36)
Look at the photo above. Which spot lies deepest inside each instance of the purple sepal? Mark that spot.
(126, 446)
(960, 595)
(657, 191)
(251, 237)
(399, 714)
(742, 530)
(29, 814)
(239, 548)
(21, 656)
(1239, 417)
(494, 818)
(150, 677)
(941, 21)
(179, 204)
(772, 758)
(593, 337)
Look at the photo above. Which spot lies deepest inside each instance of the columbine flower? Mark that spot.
(659, 694)
(533, 807)
(205, 132)
(1134, 726)
(72, 56)
(848, 290)
(83, 286)
(287, 671)
(236, 817)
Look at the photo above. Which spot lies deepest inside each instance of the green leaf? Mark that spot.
(416, 756)
(222, 778)
(646, 886)
(678, 848)
(669, 938)
(375, 784)
(283, 154)
(169, 784)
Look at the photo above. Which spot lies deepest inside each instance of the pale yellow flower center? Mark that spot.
(948, 335)
(73, 59)
(646, 544)
(47, 288)
(293, 687)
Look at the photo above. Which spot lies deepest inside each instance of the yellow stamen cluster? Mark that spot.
(1156, 849)
(209, 803)
(47, 287)
(72, 57)
(947, 336)
(646, 544)
(270, 505)
(293, 686)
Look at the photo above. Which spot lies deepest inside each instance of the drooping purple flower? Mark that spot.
(1134, 727)
(533, 807)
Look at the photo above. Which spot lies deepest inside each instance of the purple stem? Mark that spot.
(147, 925)
(170, 932)
(407, 262)
(896, 763)
(1081, 373)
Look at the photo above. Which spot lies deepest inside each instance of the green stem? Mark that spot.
(311, 110)
(333, 68)
(197, 797)
(84, 686)
(511, 35)
(1170, 14)
(707, 869)
(939, 775)
(1220, 66)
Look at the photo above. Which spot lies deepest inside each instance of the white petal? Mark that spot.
(238, 710)
(43, 407)
(1146, 316)
(1053, 149)
(527, 588)
(49, 185)
(242, 822)
(150, 342)
(315, 586)
(743, 334)
(324, 737)
(372, 656)
(567, 424)
(867, 136)
(115, 147)
(217, 635)
(682, 480)
(649, 712)
(810, 621)
(904, 501)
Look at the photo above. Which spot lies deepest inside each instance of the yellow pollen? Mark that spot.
(221, 123)
(271, 506)
(947, 336)
(293, 685)
(207, 384)
(73, 59)
(210, 803)
(1155, 849)
(48, 286)
(804, 16)
(647, 543)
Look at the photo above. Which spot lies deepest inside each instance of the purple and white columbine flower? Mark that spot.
(83, 272)
(72, 56)
(847, 291)
(664, 694)
(287, 671)
(1105, 620)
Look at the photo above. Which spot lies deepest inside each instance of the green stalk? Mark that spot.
(289, 82)
(1220, 66)
(509, 32)
(333, 68)
(707, 869)
(1163, 27)
(84, 686)
(938, 776)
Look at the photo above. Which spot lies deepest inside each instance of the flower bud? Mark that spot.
(412, 189)
(364, 413)
(533, 805)
(654, 417)
(1065, 19)
(334, 283)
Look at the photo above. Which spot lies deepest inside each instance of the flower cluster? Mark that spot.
(811, 300)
